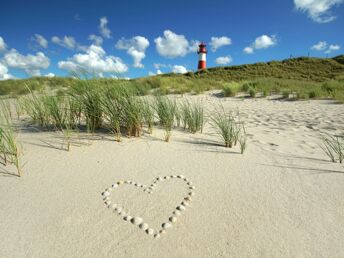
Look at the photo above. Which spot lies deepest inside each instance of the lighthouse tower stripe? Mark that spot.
(202, 56)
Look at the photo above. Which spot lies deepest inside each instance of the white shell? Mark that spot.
(113, 206)
(150, 231)
(166, 225)
(192, 187)
(162, 231)
(143, 226)
(106, 199)
(109, 189)
(106, 194)
(186, 203)
(136, 220)
(107, 202)
(191, 193)
(157, 235)
(114, 185)
(120, 182)
(127, 217)
(187, 198)
(176, 212)
(181, 176)
(181, 208)
(173, 219)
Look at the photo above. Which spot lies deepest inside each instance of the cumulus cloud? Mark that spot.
(103, 29)
(172, 45)
(261, 42)
(40, 40)
(324, 46)
(135, 47)
(332, 48)
(216, 42)
(248, 50)
(318, 10)
(157, 73)
(223, 60)
(68, 42)
(95, 61)
(2, 44)
(179, 69)
(31, 64)
(320, 46)
(50, 75)
(4, 75)
(97, 40)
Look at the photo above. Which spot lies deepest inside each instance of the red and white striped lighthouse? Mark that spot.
(202, 56)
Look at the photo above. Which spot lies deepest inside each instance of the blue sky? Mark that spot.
(136, 38)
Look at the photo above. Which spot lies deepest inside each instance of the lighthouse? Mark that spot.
(202, 55)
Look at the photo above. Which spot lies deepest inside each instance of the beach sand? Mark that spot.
(282, 198)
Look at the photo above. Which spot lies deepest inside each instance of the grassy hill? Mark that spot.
(313, 77)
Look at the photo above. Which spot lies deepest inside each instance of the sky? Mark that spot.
(132, 38)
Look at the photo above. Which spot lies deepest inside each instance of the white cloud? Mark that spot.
(50, 75)
(318, 10)
(324, 46)
(320, 46)
(157, 73)
(68, 42)
(248, 50)
(4, 75)
(158, 66)
(135, 47)
(31, 64)
(172, 45)
(261, 42)
(223, 60)
(216, 42)
(97, 40)
(2, 44)
(103, 29)
(264, 41)
(40, 40)
(95, 61)
(194, 45)
(179, 69)
(332, 48)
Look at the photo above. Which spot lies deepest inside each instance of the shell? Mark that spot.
(181, 176)
(157, 236)
(143, 226)
(192, 187)
(106, 194)
(106, 199)
(176, 213)
(109, 189)
(181, 208)
(185, 203)
(166, 225)
(136, 220)
(162, 231)
(188, 198)
(120, 182)
(191, 193)
(167, 177)
(113, 206)
(173, 219)
(150, 231)
(107, 202)
(127, 217)
(114, 185)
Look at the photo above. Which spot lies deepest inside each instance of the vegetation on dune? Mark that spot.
(9, 147)
(298, 75)
(333, 146)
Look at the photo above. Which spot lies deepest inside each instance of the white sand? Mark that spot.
(282, 198)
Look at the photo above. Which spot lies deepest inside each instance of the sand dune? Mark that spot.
(282, 198)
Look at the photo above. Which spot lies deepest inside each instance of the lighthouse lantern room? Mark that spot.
(202, 54)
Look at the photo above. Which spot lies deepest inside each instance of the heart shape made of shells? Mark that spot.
(138, 221)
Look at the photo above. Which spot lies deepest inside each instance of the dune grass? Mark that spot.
(333, 146)
(166, 110)
(228, 127)
(9, 147)
(192, 116)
